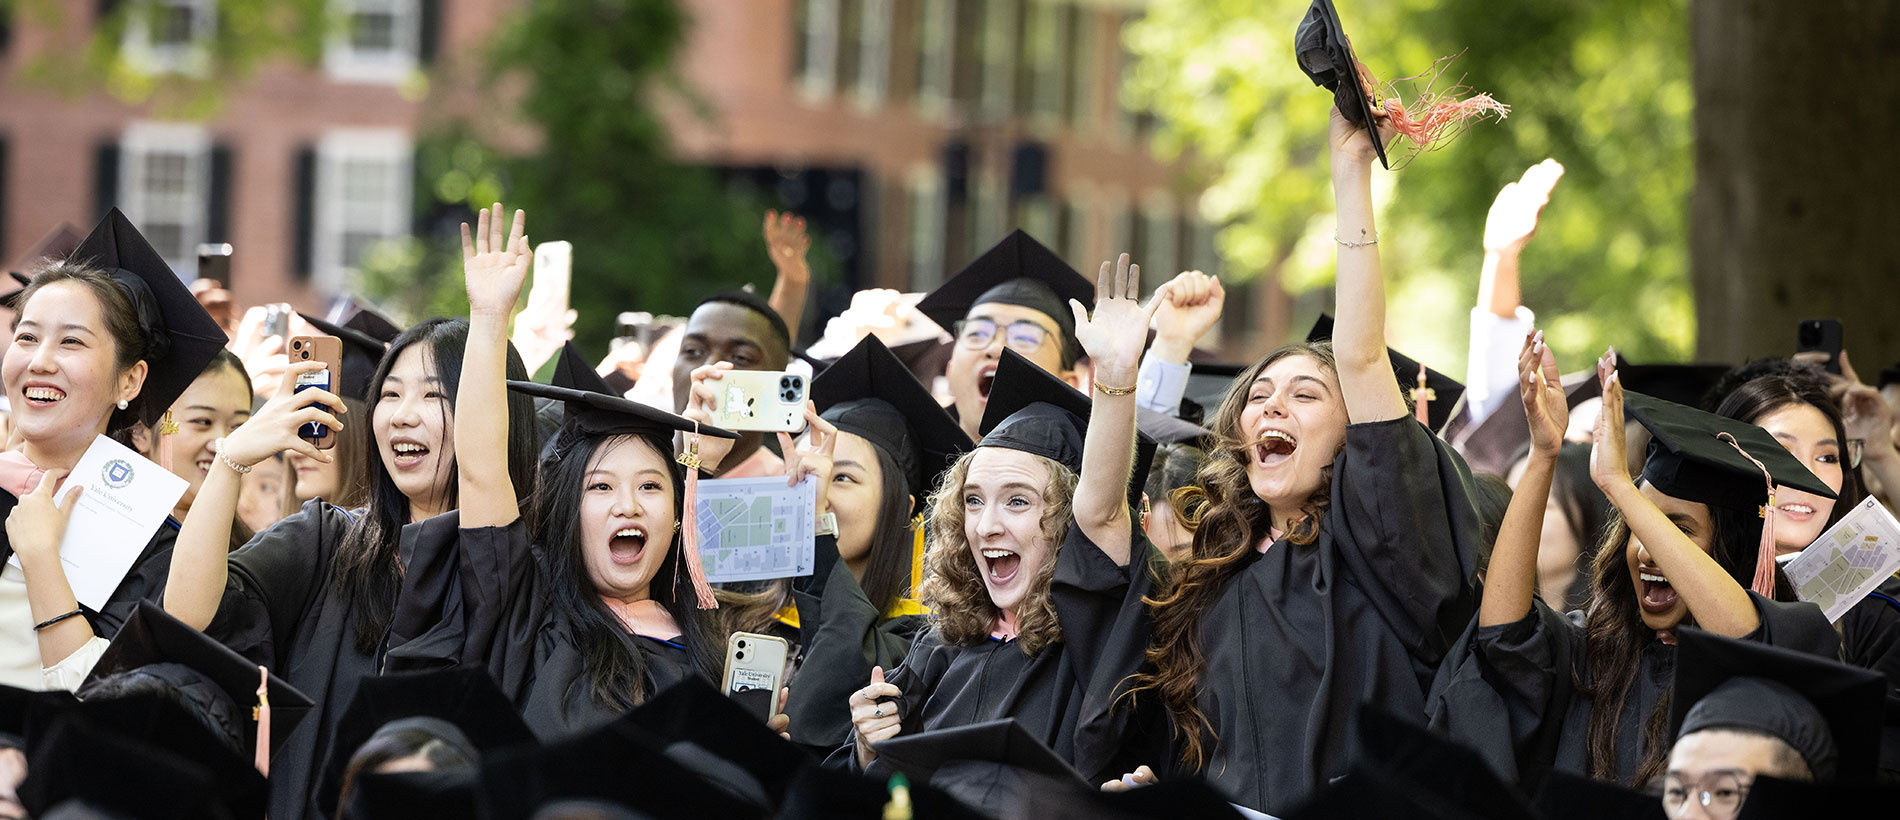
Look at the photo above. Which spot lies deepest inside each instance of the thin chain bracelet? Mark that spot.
(217, 446)
(1366, 244)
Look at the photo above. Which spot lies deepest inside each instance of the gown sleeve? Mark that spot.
(843, 635)
(916, 679)
(1504, 690)
(1105, 631)
(455, 592)
(1870, 635)
(1406, 531)
(273, 580)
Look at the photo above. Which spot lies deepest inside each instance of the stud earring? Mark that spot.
(122, 404)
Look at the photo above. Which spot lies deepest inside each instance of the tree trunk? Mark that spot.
(1796, 210)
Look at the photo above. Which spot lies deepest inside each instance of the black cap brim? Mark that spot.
(1566, 796)
(374, 324)
(152, 636)
(1033, 411)
(1018, 256)
(466, 698)
(1851, 700)
(1325, 53)
(997, 741)
(1687, 459)
(1685, 384)
(600, 414)
(871, 373)
(116, 247)
(1442, 402)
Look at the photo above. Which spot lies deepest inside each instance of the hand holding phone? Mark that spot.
(1821, 336)
(764, 400)
(755, 669)
(329, 350)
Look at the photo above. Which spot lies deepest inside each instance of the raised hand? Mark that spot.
(1542, 390)
(875, 720)
(699, 407)
(37, 524)
(273, 429)
(1609, 466)
(1513, 218)
(262, 353)
(815, 458)
(1114, 335)
(1349, 141)
(495, 268)
(1191, 308)
(787, 242)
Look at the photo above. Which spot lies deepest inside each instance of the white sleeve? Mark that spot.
(1491, 364)
(1159, 385)
(72, 671)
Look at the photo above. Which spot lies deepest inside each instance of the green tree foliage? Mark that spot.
(1601, 85)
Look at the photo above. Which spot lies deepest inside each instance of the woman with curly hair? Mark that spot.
(1333, 562)
(1017, 616)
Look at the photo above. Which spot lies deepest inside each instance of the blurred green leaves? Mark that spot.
(1601, 85)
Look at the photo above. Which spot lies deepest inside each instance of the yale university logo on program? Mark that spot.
(117, 473)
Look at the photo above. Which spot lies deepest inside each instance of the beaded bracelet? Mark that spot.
(217, 446)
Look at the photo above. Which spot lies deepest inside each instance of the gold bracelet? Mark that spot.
(1114, 391)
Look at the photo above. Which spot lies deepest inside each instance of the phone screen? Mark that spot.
(319, 379)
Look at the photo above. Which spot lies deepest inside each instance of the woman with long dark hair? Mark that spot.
(104, 341)
(1333, 561)
(1793, 402)
(879, 441)
(328, 596)
(1589, 693)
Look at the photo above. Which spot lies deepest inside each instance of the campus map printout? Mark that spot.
(1848, 560)
(753, 529)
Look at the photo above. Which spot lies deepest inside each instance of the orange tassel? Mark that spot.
(1434, 117)
(1764, 583)
(689, 527)
(1422, 399)
(263, 721)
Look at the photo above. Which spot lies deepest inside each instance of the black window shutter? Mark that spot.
(429, 26)
(305, 230)
(218, 198)
(105, 178)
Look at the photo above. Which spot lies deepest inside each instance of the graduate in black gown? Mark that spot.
(105, 340)
(881, 443)
(1019, 610)
(1589, 693)
(329, 596)
(1333, 562)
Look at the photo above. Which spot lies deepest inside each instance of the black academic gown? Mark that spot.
(1870, 638)
(843, 635)
(1300, 637)
(948, 685)
(499, 615)
(281, 610)
(145, 581)
(1514, 695)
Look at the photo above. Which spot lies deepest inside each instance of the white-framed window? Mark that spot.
(375, 41)
(1085, 38)
(1160, 243)
(936, 22)
(165, 187)
(170, 36)
(818, 70)
(873, 81)
(1042, 89)
(928, 209)
(362, 198)
(1001, 28)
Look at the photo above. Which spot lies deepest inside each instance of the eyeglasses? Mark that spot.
(1022, 335)
(1721, 795)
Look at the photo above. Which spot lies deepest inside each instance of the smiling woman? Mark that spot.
(215, 404)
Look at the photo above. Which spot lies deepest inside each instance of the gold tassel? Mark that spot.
(166, 426)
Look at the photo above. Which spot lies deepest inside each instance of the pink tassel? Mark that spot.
(263, 721)
(1764, 584)
(689, 526)
(1422, 398)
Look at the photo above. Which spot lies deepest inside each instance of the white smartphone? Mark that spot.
(755, 669)
(766, 400)
(553, 269)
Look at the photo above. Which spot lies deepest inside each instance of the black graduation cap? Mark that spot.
(18, 708)
(1413, 754)
(1325, 54)
(1033, 411)
(1444, 391)
(818, 792)
(161, 724)
(1017, 271)
(78, 759)
(1828, 711)
(1207, 387)
(12, 292)
(362, 353)
(572, 370)
(153, 636)
(467, 699)
(412, 796)
(186, 337)
(927, 358)
(1687, 384)
(1566, 796)
(1005, 741)
(1368, 792)
(374, 324)
(600, 414)
(708, 732)
(1687, 460)
(870, 393)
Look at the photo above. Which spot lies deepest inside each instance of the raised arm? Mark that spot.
(1508, 227)
(1365, 374)
(787, 242)
(495, 270)
(1112, 338)
(1720, 605)
(1511, 580)
(195, 583)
